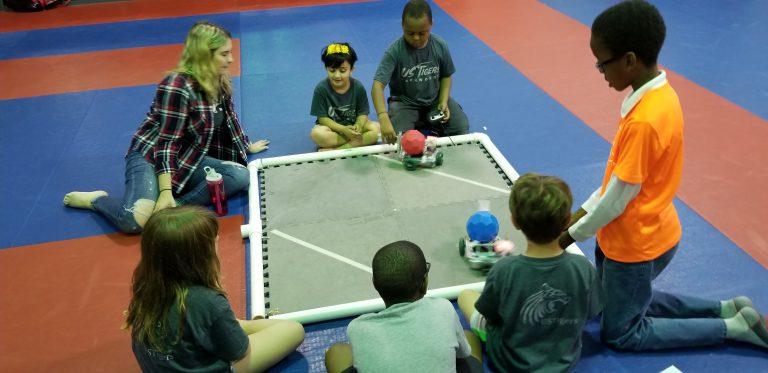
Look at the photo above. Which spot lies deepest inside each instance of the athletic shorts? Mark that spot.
(478, 323)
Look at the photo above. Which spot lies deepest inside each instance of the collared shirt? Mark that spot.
(608, 202)
(179, 130)
(647, 150)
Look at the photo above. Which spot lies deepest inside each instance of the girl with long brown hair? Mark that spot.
(179, 316)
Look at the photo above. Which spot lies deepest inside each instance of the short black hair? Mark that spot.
(399, 269)
(632, 26)
(335, 59)
(416, 9)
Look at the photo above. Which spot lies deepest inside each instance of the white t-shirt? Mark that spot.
(422, 336)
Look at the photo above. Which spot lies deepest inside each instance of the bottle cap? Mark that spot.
(211, 174)
(483, 205)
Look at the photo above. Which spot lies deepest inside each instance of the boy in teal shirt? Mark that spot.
(534, 306)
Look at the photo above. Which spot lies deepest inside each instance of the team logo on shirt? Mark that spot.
(157, 355)
(543, 303)
(420, 73)
(341, 113)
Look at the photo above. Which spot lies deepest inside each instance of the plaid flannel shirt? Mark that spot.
(179, 131)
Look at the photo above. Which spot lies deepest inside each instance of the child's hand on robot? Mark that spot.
(503, 247)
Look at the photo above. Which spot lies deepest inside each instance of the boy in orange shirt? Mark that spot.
(637, 227)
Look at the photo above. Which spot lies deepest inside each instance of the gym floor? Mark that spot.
(75, 82)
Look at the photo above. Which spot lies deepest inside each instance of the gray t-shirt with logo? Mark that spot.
(211, 339)
(421, 336)
(413, 74)
(341, 108)
(536, 309)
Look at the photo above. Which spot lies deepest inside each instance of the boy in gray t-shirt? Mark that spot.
(414, 333)
(418, 68)
(534, 306)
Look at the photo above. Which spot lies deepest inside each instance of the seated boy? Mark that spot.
(414, 333)
(340, 103)
(418, 68)
(534, 306)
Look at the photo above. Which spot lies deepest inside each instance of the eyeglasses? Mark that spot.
(601, 65)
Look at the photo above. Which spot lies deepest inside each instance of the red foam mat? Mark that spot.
(725, 153)
(62, 303)
(39, 76)
(121, 11)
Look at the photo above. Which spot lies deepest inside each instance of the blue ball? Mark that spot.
(482, 226)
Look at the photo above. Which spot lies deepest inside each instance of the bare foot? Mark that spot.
(83, 200)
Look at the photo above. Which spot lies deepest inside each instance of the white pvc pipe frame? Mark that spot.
(253, 230)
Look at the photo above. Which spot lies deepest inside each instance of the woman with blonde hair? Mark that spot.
(191, 124)
(179, 316)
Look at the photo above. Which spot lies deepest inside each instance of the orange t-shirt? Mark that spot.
(647, 150)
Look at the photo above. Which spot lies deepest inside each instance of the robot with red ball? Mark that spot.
(482, 246)
(416, 150)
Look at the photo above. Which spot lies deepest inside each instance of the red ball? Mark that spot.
(413, 142)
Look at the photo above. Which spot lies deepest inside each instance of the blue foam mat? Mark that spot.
(718, 45)
(73, 141)
(107, 36)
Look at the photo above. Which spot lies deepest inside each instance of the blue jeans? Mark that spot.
(141, 184)
(236, 178)
(636, 317)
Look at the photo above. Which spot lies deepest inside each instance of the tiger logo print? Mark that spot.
(542, 303)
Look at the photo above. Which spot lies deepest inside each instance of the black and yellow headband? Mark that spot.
(337, 48)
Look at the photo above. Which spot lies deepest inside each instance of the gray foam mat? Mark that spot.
(354, 206)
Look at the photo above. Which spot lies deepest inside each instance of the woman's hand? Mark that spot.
(258, 146)
(164, 201)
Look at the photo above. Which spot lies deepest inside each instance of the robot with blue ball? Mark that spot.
(482, 247)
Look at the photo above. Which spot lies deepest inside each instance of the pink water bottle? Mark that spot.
(216, 189)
